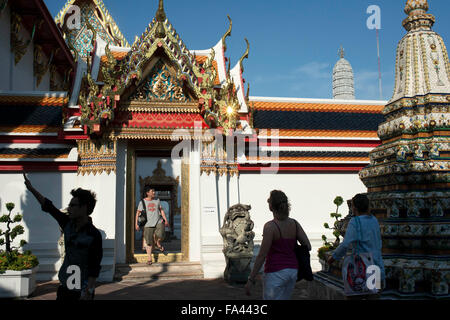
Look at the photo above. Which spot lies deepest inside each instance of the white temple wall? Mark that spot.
(23, 73)
(5, 50)
(212, 214)
(45, 81)
(42, 231)
(20, 76)
(311, 197)
(195, 227)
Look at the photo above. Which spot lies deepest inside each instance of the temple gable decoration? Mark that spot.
(95, 13)
(160, 85)
(159, 75)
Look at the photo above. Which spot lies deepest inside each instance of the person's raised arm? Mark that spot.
(39, 197)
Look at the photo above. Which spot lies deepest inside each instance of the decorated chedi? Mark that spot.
(343, 79)
(408, 176)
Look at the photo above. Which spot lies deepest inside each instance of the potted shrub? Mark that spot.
(17, 267)
(324, 251)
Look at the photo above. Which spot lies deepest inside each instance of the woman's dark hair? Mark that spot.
(361, 202)
(85, 197)
(279, 203)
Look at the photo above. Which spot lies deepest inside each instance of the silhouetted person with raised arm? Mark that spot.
(82, 241)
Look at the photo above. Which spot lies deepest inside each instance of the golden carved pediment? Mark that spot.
(161, 84)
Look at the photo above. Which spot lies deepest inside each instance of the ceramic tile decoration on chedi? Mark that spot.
(408, 177)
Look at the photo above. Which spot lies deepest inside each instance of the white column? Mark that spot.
(104, 216)
(233, 190)
(194, 204)
(121, 172)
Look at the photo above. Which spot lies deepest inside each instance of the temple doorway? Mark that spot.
(166, 190)
(168, 178)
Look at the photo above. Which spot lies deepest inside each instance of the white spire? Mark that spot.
(343, 79)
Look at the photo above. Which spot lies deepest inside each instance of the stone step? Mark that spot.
(160, 257)
(161, 271)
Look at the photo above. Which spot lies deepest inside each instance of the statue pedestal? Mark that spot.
(237, 269)
(327, 284)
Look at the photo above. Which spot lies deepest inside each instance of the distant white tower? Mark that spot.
(343, 80)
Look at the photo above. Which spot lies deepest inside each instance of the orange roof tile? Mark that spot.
(34, 100)
(118, 55)
(315, 107)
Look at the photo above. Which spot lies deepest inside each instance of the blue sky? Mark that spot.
(293, 43)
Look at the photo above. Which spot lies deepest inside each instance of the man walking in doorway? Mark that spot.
(154, 212)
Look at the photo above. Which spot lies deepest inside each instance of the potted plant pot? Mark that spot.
(17, 269)
(18, 284)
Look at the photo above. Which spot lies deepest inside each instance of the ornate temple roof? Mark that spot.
(31, 112)
(343, 79)
(155, 77)
(312, 134)
(306, 116)
(95, 13)
(422, 65)
(31, 132)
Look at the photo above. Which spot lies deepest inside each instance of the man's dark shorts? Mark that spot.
(148, 235)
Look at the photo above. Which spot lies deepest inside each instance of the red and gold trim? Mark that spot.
(30, 129)
(14, 166)
(318, 133)
(159, 120)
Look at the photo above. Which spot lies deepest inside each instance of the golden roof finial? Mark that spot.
(160, 18)
(160, 14)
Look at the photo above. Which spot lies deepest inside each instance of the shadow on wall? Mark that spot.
(43, 231)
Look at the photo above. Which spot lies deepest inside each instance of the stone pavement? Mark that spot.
(157, 289)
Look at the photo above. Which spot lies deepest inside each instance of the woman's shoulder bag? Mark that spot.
(303, 259)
